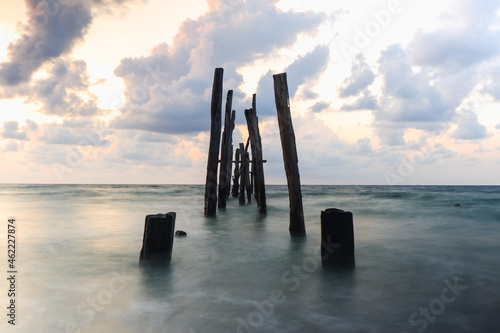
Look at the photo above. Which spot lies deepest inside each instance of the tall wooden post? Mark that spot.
(213, 152)
(226, 143)
(158, 239)
(248, 182)
(229, 171)
(257, 159)
(290, 159)
(243, 173)
(230, 159)
(236, 185)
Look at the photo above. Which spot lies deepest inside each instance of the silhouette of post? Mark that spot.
(158, 239)
(230, 159)
(243, 173)
(257, 160)
(213, 151)
(236, 185)
(337, 238)
(225, 146)
(290, 159)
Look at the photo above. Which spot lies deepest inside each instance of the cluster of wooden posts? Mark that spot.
(337, 230)
(247, 180)
(242, 182)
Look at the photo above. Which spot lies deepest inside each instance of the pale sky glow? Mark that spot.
(118, 91)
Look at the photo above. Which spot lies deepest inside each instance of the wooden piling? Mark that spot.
(257, 159)
(230, 159)
(248, 182)
(243, 173)
(229, 171)
(224, 159)
(236, 179)
(213, 152)
(158, 239)
(337, 238)
(290, 159)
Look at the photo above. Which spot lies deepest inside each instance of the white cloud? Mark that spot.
(361, 77)
(12, 130)
(169, 91)
(469, 127)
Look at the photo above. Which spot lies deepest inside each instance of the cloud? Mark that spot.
(75, 132)
(11, 146)
(319, 106)
(469, 127)
(451, 60)
(408, 98)
(365, 102)
(464, 41)
(12, 130)
(53, 29)
(169, 90)
(364, 146)
(307, 67)
(361, 77)
(304, 69)
(65, 90)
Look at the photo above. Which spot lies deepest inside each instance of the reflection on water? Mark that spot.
(240, 272)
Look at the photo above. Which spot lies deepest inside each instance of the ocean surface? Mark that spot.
(422, 265)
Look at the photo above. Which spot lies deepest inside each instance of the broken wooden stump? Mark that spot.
(180, 233)
(213, 152)
(158, 239)
(290, 159)
(337, 238)
(225, 146)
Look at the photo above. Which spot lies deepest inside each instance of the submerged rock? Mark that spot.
(180, 233)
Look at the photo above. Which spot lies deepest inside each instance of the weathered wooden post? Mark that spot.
(337, 238)
(247, 176)
(257, 159)
(237, 172)
(243, 173)
(158, 239)
(290, 159)
(213, 151)
(224, 159)
(230, 159)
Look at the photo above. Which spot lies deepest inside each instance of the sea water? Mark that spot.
(421, 263)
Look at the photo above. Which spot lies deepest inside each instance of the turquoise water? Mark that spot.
(421, 264)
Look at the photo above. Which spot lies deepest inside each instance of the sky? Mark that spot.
(392, 92)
